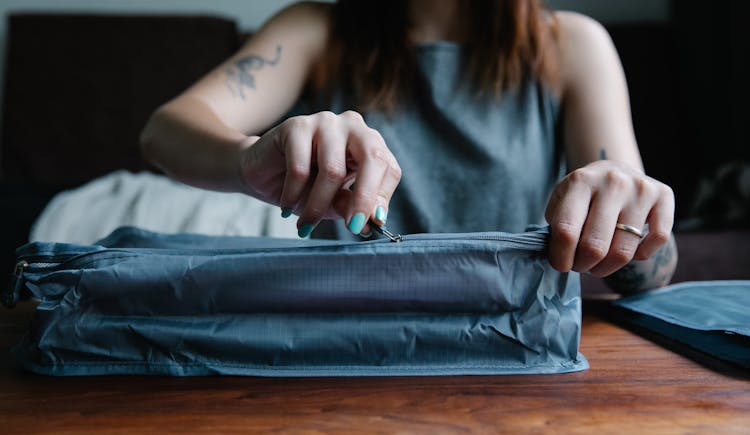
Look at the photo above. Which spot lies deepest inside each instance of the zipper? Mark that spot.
(20, 266)
(532, 240)
(11, 294)
(529, 240)
(396, 238)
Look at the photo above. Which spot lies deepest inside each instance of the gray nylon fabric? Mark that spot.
(468, 164)
(147, 303)
(707, 305)
(712, 317)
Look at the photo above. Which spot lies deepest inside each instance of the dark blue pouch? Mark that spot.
(711, 317)
(434, 304)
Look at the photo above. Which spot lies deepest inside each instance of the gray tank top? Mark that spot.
(467, 164)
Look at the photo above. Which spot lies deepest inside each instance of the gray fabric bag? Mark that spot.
(434, 304)
(710, 317)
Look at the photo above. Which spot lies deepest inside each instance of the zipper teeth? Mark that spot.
(512, 241)
(530, 240)
(509, 242)
(42, 264)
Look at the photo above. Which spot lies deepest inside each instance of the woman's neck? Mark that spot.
(438, 20)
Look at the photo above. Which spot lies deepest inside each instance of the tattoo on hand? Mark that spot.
(662, 257)
(628, 278)
(240, 75)
(647, 274)
(602, 154)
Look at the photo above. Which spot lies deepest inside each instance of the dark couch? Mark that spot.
(78, 91)
(79, 88)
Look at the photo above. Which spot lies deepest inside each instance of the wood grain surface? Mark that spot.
(633, 386)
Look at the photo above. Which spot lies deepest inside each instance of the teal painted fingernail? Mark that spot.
(286, 212)
(357, 223)
(381, 215)
(305, 230)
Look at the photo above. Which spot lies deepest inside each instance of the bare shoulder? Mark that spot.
(309, 13)
(307, 23)
(575, 26)
(585, 47)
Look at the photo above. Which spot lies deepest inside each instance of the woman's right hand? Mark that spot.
(307, 164)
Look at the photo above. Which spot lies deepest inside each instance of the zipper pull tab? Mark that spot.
(381, 230)
(11, 294)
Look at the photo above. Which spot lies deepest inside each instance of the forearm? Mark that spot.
(655, 272)
(189, 142)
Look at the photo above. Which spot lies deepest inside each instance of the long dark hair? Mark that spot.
(369, 52)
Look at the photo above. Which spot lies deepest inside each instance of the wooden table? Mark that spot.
(633, 386)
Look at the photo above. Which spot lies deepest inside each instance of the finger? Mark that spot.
(303, 198)
(372, 160)
(366, 230)
(391, 177)
(660, 221)
(624, 244)
(297, 147)
(596, 237)
(553, 204)
(341, 202)
(345, 196)
(568, 214)
(392, 174)
(388, 185)
(330, 144)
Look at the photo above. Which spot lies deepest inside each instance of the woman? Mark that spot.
(466, 106)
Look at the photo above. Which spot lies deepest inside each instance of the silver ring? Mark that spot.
(631, 229)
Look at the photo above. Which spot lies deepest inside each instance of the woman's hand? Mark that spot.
(585, 208)
(306, 165)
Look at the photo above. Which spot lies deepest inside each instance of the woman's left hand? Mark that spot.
(585, 208)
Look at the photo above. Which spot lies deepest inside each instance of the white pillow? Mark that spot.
(157, 203)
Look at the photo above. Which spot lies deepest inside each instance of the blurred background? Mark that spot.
(250, 14)
(80, 77)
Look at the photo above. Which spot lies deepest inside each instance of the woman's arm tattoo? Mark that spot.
(240, 74)
(655, 272)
